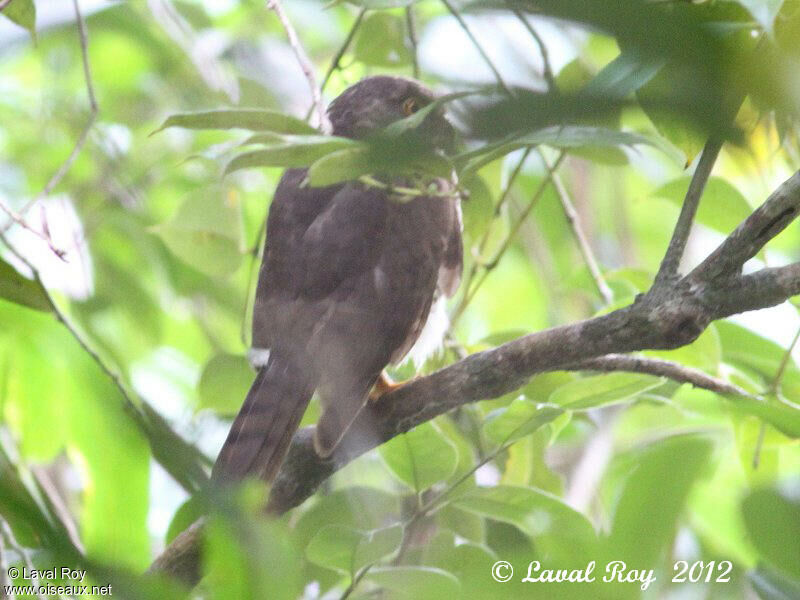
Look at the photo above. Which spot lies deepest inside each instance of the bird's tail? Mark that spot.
(259, 437)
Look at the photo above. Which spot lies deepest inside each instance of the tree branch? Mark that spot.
(672, 258)
(656, 320)
(660, 368)
(304, 62)
(577, 231)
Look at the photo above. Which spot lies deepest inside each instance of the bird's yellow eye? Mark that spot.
(410, 106)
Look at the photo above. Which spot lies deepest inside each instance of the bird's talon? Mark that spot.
(384, 385)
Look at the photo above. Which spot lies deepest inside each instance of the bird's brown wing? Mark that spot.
(313, 291)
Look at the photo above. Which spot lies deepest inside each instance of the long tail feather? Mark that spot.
(259, 437)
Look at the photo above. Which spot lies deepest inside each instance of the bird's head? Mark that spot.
(373, 103)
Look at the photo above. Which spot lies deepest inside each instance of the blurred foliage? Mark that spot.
(122, 361)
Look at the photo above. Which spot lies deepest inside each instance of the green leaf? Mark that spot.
(224, 383)
(206, 233)
(253, 119)
(624, 75)
(722, 206)
(518, 419)
(23, 13)
(381, 40)
(300, 153)
(653, 497)
(553, 524)
(416, 583)
(352, 163)
(421, 457)
(354, 507)
(772, 519)
(187, 513)
(348, 550)
(781, 415)
(566, 137)
(478, 207)
(674, 127)
(600, 390)
(251, 558)
(747, 349)
(19, 289)
(342, 165)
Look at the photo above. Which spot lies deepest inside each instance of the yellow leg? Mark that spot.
(383, 386)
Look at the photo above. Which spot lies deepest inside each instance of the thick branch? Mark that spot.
(744, 243)
(656, 320)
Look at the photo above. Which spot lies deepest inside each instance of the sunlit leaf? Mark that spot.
(722, 206)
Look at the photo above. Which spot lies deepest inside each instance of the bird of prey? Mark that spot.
(345, 287)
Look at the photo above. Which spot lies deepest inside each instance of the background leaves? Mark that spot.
(161, 214)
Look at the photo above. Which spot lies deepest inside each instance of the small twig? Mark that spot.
(500, 81)
(19, 220)
(547, 70)
(668, 270)
(337, 58)
(659, 368)
(406, 192)
(356, 580)
(304, 62)
(4, 3)
(84, 135)
(412, 38)
(774, 388)
(575, 225)
(57, 505)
